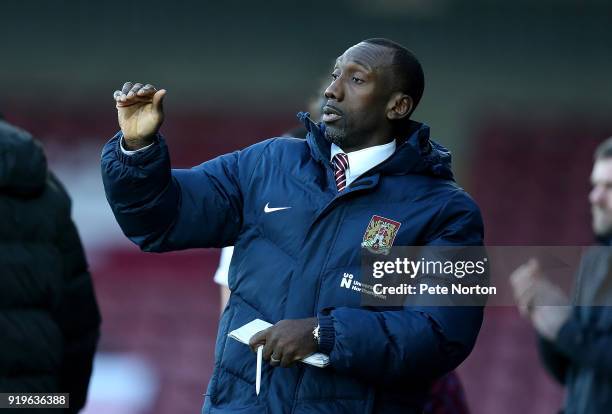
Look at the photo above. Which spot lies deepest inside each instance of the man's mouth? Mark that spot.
(331, 114)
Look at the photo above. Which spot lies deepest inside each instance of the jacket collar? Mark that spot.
(415, 154)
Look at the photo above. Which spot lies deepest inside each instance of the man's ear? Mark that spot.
(399, 106)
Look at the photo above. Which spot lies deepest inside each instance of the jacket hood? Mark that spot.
(23, 166)
(416, 153)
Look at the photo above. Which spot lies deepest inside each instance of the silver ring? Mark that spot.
(272, 359)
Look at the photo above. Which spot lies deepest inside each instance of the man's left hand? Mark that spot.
(543, 302)
(286, 342)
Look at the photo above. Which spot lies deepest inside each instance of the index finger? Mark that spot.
(126, 87)
(259, 339)
(525, 271)
(148, 88)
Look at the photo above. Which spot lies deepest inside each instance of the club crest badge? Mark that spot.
(380, 234)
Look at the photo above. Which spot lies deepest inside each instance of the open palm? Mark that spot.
(139, 119)
(140, 112)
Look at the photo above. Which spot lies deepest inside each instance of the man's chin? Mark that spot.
(335, 135)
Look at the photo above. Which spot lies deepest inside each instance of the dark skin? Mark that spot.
(287, 341)
(362, 100)
(362, 105)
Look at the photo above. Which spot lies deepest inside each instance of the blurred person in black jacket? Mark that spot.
(575, 338)
(49, 318)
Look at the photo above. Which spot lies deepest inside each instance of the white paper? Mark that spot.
(245, 332)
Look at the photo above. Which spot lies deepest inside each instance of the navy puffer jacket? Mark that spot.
(289, 264)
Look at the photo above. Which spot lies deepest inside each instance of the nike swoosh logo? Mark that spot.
(268, 209)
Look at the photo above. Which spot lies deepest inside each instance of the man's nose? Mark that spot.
(334, 90)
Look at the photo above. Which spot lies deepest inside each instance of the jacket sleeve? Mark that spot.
(585, 346)
(77, 315)
(409, 343)
(161, 209)
(581, 342)
(555, 362)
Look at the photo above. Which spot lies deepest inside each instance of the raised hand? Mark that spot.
(540, 300)
(524, 281)
(140, 112)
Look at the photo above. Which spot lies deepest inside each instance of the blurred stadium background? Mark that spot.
(520, 91)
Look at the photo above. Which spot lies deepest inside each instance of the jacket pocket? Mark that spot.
(224, 324)
(234, 378)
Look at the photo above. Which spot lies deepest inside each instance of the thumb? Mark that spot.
(158, 100)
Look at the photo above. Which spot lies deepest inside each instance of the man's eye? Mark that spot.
(334, 76)
(357, 80)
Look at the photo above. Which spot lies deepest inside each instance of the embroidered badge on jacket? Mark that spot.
(380, 234)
